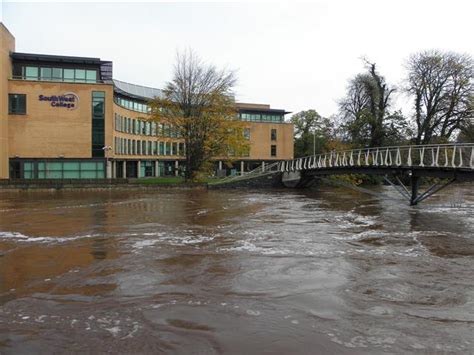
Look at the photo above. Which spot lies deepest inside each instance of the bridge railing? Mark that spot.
(454, 156)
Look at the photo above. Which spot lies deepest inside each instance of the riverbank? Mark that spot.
(99, 184)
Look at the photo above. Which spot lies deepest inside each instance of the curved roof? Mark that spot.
(136, 91)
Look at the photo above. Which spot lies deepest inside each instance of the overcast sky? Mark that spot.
(292, 56)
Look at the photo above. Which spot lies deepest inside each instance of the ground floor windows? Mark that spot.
(57, 169)
(17, 104)
(147, 168)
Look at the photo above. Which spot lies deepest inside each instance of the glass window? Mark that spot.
(71, 165)
(31, 73)
(46, 73)
(88, 165)
(273, 150)
(91, 76)
(174, 148)
(57, 73)
(98, 108)
(17, 104)
(247, 133)
(162, 148)
(80, 75)
(273, 134)
(88, 174)
(69, 75)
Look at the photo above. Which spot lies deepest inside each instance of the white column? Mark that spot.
(241, 167)
(124, 169)
(114, 169)
(176, 165)
(157, 173)
(138, 168)
(109, 169)
(263, 166)
(220, 164)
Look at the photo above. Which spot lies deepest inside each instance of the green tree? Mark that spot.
(366, 110)
(312, 132)
(199, 103)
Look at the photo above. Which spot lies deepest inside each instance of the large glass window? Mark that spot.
(31, 73)
(46, 74)
(91, 76)
(132, 105)
(63, 170)
(80, 76)
(69, 75)
(17, 104)
(253, 117)
(98, 123)
(57, 73)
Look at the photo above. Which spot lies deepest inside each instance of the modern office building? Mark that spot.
(65, 117)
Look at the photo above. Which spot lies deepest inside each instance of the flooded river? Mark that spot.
(239, 272)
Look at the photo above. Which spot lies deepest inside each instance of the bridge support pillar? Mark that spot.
(415, 183)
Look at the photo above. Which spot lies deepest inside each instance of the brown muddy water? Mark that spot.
(238, 272)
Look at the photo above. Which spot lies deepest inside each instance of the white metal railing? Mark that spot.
(264, 169)
(454, 156)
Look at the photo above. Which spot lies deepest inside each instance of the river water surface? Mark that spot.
(244, 272)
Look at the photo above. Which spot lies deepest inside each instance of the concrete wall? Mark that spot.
(49, 132)
(7, 45)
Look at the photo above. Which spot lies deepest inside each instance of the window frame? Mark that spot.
(10, 112)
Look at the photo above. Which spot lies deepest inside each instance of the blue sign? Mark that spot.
(67, 100)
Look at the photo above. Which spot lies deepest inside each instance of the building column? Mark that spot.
(124, 169)
(114, 169)
(220, 164)
(241, 167)
(263, 166)
(139, 163)
(157, 171)
(108, 169)
(176, 166)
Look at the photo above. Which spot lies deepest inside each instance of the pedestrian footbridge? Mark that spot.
(397, 164)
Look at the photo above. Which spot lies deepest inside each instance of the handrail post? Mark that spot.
(472, 158)
(453, 160)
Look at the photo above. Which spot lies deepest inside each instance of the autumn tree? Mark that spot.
(441, 84)
(199, 103)
(366, 111)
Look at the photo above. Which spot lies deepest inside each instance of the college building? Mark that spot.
(64, 117)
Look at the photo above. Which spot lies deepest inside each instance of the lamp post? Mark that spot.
(106, 150)
(314, 141)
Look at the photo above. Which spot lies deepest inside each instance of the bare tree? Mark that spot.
(199, 103)
(441, 84)
(365, 107)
